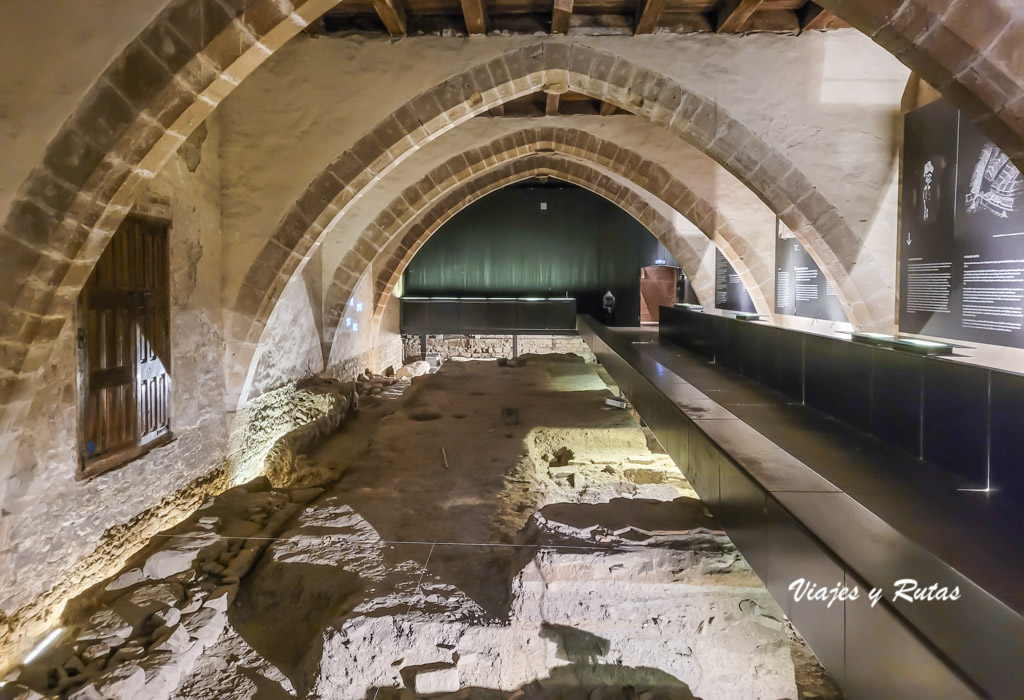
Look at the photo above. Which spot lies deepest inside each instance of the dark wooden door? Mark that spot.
(124, 336)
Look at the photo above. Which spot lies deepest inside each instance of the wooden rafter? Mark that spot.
(498, 111)
(814, 17)
(649, 17)
(560, 16)
(551, 107)
(475, 14)
(735, 13)
(392, 13)
(607, 109)
(400, 17)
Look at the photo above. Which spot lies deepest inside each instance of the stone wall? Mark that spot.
(56, 528)
(267, 436)
(60, 535)
(494, 346)
(388, 353)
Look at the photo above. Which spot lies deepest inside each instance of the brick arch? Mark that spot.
(598, 74)
(575, 144)
(126, 127)
(397, 256)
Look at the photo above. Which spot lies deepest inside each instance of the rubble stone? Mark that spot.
(435, 682)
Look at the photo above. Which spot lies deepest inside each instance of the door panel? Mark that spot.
(124, 337)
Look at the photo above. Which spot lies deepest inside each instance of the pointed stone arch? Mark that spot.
(413, 231)
(131, 121)
(396, 257)
(195, 52)
(598, 74)
(570, 143)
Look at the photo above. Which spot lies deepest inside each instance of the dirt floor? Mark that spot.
(497, 531)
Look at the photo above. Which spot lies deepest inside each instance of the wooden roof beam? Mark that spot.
(648, 19)
(475, 14)
(735, 13)
(607, 109)
(560, 16)
(392, 14)
(814, 17)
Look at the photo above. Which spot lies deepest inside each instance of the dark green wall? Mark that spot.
(505, 245)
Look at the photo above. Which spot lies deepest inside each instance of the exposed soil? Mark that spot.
(497, 531)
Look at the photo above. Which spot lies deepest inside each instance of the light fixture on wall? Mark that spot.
(543, 206)
(659, 261)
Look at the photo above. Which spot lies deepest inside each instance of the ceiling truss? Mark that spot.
(399, 18)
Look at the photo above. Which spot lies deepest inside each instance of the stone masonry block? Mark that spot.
(72, 157)
(216, 17)
(976, 25)
(138, 75)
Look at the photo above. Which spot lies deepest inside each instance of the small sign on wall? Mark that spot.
(730, 294)
(801, 289)
(961, 232)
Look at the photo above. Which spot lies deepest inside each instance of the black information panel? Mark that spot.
(730, 294)
(800, 287)
(962, 232)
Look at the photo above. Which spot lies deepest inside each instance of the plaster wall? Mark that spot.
(291, 347)
(355, 328)
(338, 82)
(360, 344)
(52, 522)
(39, 85)
(830, 101)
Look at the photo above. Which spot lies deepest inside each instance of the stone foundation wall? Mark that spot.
(388, 354)
(267, 435)
(494, 346)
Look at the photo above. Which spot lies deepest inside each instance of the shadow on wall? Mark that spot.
(580, 680)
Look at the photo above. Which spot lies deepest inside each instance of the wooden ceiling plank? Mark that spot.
(392, 14)
(734, 14)
(475, 14)
(551, 108)
(648, 19)
(560, 16)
